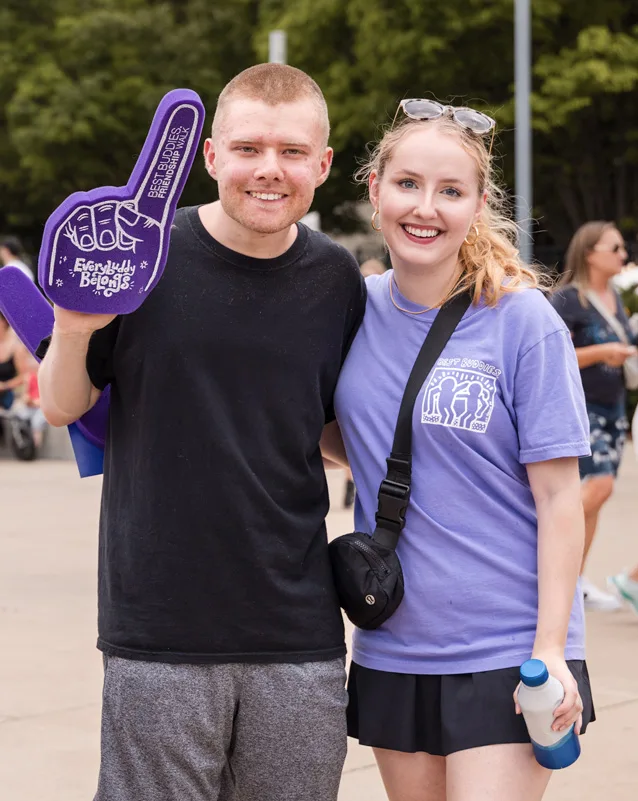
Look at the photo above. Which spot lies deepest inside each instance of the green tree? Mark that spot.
(368, 54)
(79, 80)
(81, 84)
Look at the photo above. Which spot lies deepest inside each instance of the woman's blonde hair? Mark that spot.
(576, 270)
(491, 263)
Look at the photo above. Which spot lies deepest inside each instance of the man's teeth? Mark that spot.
(262, 196)
(423, 233)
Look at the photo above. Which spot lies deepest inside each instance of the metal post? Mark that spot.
(277, 47)
(523, 141)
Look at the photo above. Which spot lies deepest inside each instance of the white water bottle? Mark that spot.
(538, 696)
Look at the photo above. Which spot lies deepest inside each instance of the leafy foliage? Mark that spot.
(79, 81)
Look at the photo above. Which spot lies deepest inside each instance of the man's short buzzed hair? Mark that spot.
(273, 84)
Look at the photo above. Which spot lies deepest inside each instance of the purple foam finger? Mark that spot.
(27, 312)
(103, 251)
(31, 317)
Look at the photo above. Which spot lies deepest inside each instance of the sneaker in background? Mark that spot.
(625, 588)
(598, 599)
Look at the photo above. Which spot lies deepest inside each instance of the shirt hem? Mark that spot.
(423, 667)
(580, 448)
(183, 657)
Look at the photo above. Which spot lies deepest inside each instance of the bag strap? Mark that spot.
(394, 492)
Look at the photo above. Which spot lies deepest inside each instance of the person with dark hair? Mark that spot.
(11, 255)
(593, 311)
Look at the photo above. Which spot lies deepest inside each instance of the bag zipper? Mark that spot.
(373, 554)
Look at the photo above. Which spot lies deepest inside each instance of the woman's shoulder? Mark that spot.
(566, 296)
(527, 302)
(530, 313)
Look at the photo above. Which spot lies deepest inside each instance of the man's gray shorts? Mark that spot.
(229, 732)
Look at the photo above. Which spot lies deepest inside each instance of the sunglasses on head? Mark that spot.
(423, 109)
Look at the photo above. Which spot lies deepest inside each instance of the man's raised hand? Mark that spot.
(103, 251)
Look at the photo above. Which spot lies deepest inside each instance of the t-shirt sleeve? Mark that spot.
(355, 315)
(354, 318)
(99, 357)
(549, 402)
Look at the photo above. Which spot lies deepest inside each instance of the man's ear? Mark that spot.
(209, 158)
(326, 164)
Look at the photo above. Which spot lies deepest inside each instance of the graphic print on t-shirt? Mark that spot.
(460, 394)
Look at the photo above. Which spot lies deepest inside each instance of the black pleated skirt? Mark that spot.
(443, 714)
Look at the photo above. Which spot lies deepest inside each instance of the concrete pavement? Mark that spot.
(51, 674)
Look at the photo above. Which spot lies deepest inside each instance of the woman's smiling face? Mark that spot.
(428, 199)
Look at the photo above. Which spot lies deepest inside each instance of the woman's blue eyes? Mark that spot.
(407, 183)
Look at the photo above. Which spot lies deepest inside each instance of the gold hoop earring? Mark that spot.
(476, 236)
(375, 216)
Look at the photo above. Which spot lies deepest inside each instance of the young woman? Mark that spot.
(494, 535)
(595, 255)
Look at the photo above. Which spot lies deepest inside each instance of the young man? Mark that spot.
(10, 252)
(221, 633)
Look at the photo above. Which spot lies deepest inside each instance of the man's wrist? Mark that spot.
(81, 337)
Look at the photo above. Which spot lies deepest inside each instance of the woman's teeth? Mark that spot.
(422, 233)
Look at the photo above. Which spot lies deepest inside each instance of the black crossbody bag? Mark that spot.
(366, 569)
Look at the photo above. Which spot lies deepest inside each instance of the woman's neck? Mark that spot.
(427, 288)
(598, 282)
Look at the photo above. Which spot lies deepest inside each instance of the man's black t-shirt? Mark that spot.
(603, 385)
(212, 535)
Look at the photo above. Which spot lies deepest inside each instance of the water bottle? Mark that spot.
(538, 696)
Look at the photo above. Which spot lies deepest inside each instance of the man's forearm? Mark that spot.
(66, 391)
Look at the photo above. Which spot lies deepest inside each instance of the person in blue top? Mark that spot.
(494, 530)
(595, 255)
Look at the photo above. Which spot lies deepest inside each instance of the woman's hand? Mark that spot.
(615, 354)
(570, 709)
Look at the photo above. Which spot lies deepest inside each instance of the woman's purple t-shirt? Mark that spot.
(506, 391)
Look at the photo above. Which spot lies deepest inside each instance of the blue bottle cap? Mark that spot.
(534, 673)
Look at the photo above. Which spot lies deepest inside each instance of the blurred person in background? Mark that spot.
(592, 310)
(12, 255)
(372, 267)
(625, 585)
(15, 365)
(27, 409)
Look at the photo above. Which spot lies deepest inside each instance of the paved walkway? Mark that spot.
(50, 672)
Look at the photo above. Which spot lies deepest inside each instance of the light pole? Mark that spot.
(278, 54)
(277, 47)
(523, 134)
